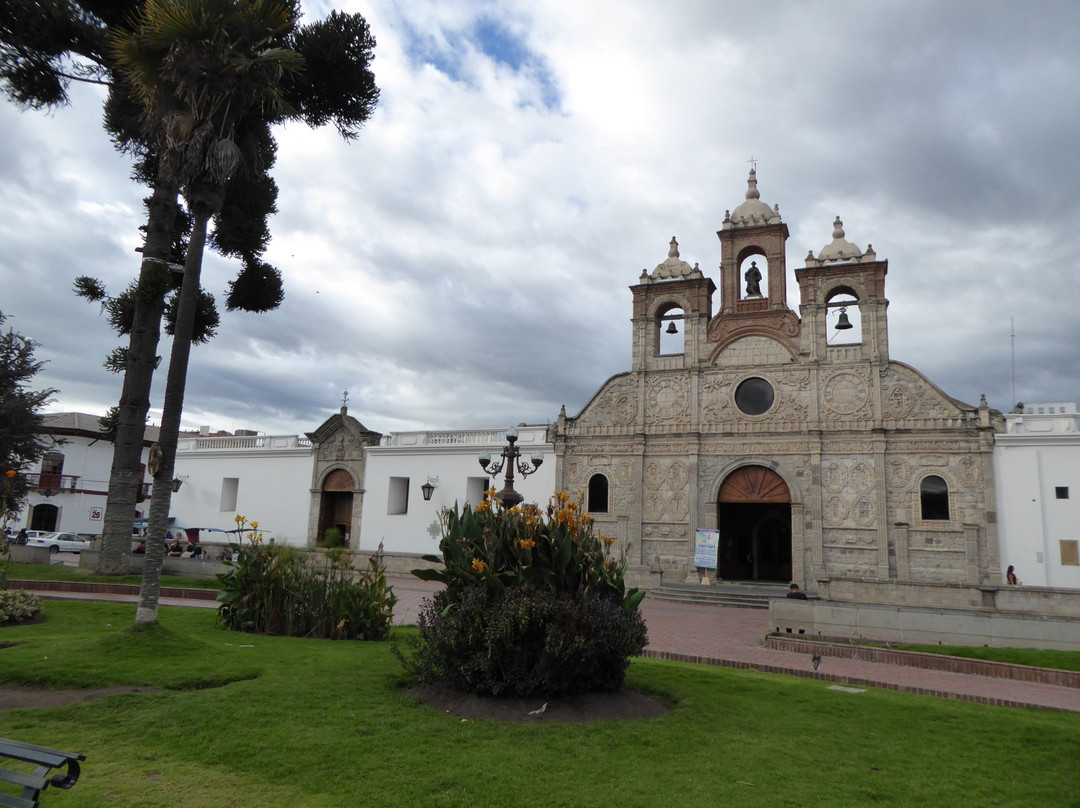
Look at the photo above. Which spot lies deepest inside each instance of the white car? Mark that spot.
(60, 542)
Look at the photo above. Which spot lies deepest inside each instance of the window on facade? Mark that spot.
(474, 490)
(754, 396)
(598, 494)
(1061, 492)
(398, 501)
(230, 487)
(1070, 553)
(52, 468)
(934, 499)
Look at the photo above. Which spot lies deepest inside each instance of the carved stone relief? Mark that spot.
(667, 399)
(667, 496)
(898, 401)
(969, 471)
(341, 446)
(716, 394)
(850, 486)
(846, 393)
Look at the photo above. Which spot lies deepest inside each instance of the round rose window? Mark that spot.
(754, 396)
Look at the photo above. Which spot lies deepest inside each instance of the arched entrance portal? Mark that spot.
(336, 504)
(754, 518)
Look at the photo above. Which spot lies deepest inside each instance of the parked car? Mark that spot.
(60, 542)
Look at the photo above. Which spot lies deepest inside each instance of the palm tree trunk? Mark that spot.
(125, 478)
(176, 381)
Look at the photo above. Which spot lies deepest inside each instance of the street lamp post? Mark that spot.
(511, 457)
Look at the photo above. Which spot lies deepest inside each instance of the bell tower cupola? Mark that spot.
(672, 309)
(753, 277)
(842, 290)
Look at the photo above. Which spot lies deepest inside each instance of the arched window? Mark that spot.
(934, 499)
(598, 494)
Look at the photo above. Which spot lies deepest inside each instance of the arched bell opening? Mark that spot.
(754, 520)
(843, 318)
(670, 328)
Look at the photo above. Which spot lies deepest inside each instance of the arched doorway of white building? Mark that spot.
(336, 504)
(754, 520)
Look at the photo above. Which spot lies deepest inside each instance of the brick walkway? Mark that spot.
(733, 638)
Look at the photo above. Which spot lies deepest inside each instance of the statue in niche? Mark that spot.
(752, 277)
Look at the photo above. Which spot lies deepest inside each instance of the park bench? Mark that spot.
(33, 783)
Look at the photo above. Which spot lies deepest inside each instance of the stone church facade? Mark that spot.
(817, 461)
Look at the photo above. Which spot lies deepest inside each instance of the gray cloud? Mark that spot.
(465, 262)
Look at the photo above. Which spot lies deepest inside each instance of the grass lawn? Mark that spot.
(268, 721)
(62, 572)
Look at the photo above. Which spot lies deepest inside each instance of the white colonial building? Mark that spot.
(396, 515)
(1037, 465)
(264, 478)
(69, 486)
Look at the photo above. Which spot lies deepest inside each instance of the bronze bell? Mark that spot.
(671, 329)
(842, 322)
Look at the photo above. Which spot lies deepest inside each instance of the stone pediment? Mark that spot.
(343, 422)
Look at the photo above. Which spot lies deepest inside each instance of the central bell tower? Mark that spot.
(750, 234)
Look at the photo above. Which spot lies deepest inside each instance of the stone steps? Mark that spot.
(727, 596)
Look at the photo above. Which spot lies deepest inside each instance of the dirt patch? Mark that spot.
(33, 698)
(620, 705)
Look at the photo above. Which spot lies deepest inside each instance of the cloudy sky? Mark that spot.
(465, 261)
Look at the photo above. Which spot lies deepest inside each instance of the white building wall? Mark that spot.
(82, 510)
(1038, 454)
(452, 457)
(273, 479)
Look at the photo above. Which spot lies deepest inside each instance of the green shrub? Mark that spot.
(17, 605)
(532, 605)
(275, 589)
(332, 537)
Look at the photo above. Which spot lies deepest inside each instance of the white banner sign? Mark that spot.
(706, 544)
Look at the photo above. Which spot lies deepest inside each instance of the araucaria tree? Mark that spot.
(20, 419)
(210, 78)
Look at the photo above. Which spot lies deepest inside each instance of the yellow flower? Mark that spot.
(527, 544)
(240, 518)
(479, 565)
(255, 524)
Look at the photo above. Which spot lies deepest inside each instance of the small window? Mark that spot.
(230, 487)
(598, 494)
(398, 502)
(1061, 492)
(934, 498)
(475, 490)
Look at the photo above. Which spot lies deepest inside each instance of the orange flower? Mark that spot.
(10, 473)
(527, 544)
(479, 565)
